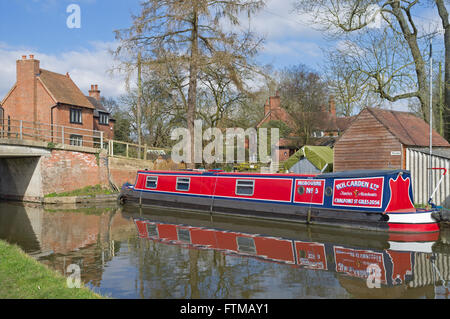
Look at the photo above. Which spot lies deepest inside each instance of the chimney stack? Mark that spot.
(275, 101)
(27, 71)
(266, 108)
(332, 105)
(94, 92)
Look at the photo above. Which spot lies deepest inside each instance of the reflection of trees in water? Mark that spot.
(175, 271)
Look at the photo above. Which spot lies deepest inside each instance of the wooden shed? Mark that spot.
(379, 139)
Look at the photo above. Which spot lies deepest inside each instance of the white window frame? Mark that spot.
(103, 118)
(156, 182)
(188, 182)
(76, 140)
(245, 180)
(76, 116)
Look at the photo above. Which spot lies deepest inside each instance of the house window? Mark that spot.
(318, 134)
(151, 182)
(245, 187)
(103, 118)
(76, 140)
(75, 116)
(183, 183)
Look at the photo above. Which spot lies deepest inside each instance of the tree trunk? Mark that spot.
(443, 13)
(419, 63)
(139, 99)
(192, 91)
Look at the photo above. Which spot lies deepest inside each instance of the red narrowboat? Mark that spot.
(379, 200)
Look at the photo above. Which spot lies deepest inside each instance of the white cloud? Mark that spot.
(292, 49)
(85, 67)
(278, 21)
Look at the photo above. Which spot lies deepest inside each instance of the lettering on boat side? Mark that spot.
(228, 308)
(359, 192)
(312, 191)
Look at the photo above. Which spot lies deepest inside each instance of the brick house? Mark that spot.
(102, 118)
(328, 126)
(380, 139)
(54, 100)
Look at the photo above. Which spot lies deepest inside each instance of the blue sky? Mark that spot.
(39, 27)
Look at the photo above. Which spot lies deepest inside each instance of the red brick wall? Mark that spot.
(68, 170)
(61, 116)
(120, 176)
(108, 130)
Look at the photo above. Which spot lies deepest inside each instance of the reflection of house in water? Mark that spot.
(61, 237)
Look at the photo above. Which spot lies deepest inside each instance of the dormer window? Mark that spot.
(103, 118)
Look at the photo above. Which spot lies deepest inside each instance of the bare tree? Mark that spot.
(303, 93)
(397, 20)
(192, 35)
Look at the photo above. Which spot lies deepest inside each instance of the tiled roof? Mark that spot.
(408, 128)
(63, 89)
(98, 106)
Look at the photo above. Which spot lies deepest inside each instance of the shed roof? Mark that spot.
(408, 128)
(319, 156)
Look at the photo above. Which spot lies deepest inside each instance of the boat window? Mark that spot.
(152, 182)
(328, 191)
(184, 234)
(183, 183)
(246, 244)
(301, 190)
(152, 230)
(245, 187)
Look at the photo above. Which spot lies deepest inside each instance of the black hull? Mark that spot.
(271, 211)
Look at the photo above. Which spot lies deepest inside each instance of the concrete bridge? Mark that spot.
(31, 169)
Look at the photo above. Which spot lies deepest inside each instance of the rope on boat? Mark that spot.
(437, 186)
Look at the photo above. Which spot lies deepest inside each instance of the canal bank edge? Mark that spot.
(23, 277)
(80, 199)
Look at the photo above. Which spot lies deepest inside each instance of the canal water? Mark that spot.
(128, 252)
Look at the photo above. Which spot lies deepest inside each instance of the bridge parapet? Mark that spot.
(51, 133)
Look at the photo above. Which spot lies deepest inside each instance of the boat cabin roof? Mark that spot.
(221, 173)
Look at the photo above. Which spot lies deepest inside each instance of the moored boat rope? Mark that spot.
(437, 186)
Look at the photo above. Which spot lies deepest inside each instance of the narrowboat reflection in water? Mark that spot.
(401, 263)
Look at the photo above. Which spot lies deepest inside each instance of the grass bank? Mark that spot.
(86, 191)
(22, 277)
